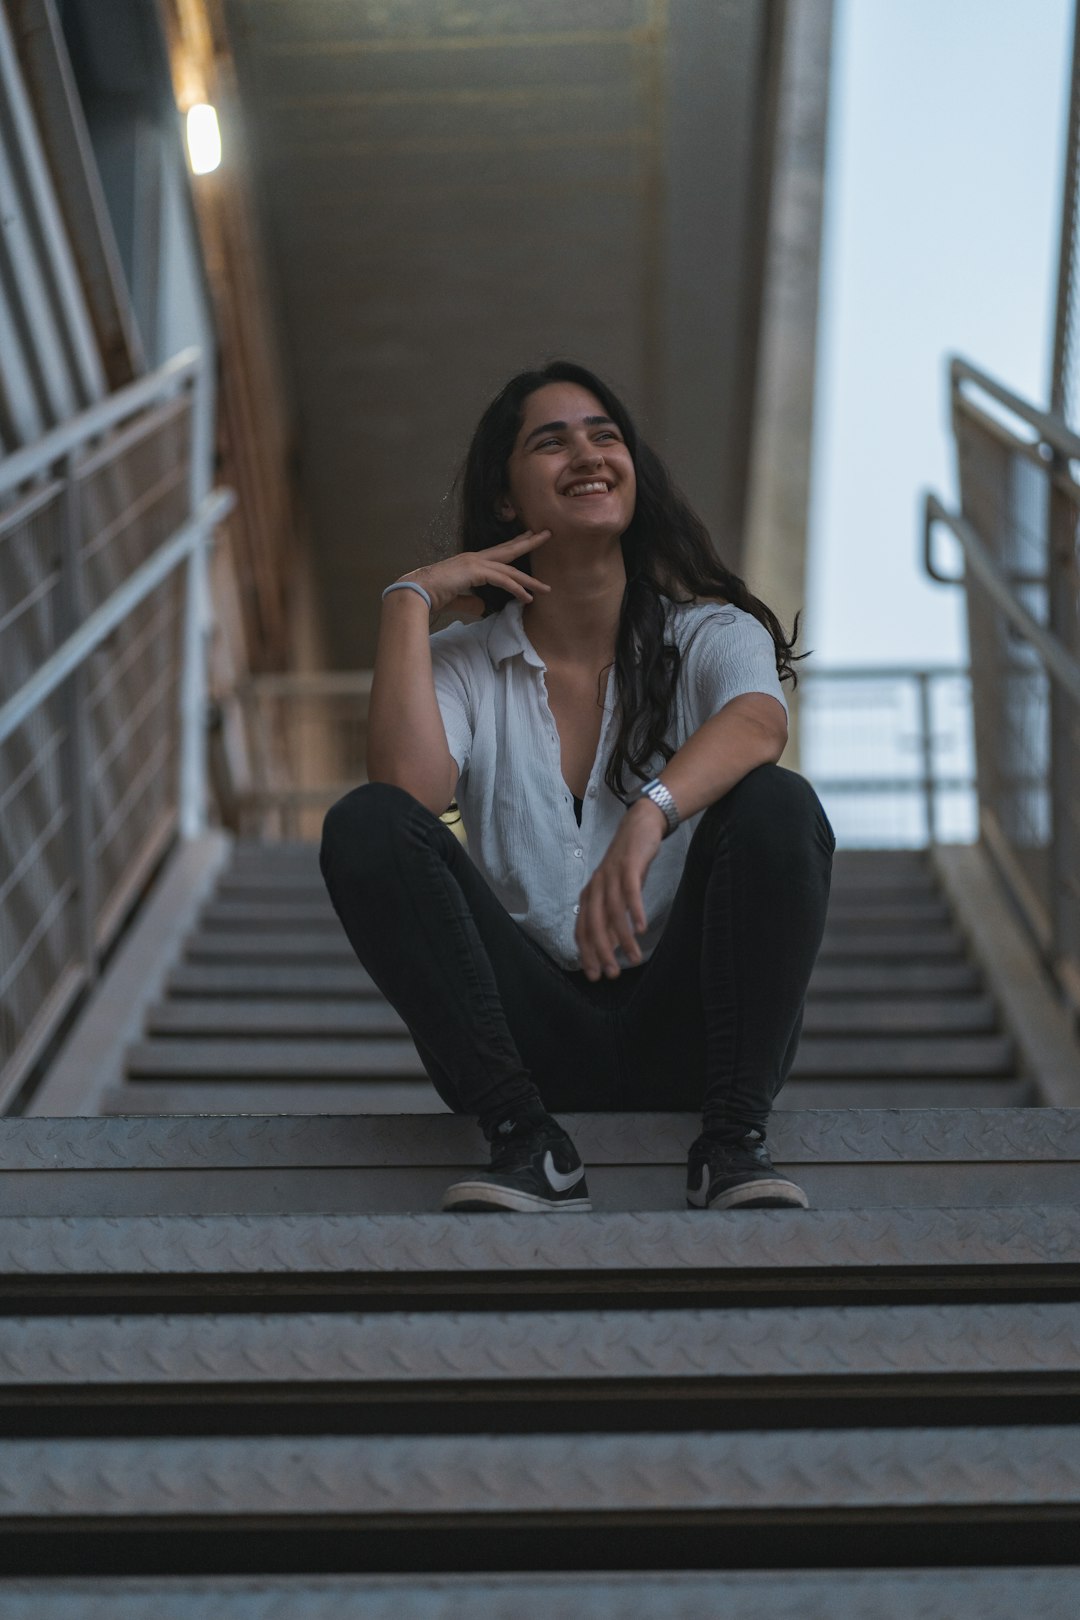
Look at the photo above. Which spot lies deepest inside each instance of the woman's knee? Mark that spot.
(776, 808)
(357, 828)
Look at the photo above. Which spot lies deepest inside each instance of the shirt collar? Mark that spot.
(508, 637)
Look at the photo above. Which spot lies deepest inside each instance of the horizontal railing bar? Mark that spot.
(1051, 429)
(26, 510)
(1056, 659)
(900, 784)
(143, 427)
(28, 462)
(1030, 450)
(883, 672)
(37, 594)
(112, 612)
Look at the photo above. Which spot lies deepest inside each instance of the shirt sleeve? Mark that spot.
(452, 695)
(731, 654)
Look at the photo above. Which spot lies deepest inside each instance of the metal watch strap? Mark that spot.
(658, 793)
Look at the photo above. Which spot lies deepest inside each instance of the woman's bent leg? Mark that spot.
(428, 929)
(718, 1008)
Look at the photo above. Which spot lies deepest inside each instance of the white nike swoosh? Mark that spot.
(700, 1199)
(561, 1183)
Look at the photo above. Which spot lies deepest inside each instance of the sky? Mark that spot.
(945, 154)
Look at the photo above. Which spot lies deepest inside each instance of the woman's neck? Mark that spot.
(577, 621)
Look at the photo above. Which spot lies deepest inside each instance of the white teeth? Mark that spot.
(588, 489)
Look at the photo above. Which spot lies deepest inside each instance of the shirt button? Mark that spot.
(592, 793)
(579, 853)
(577, 909)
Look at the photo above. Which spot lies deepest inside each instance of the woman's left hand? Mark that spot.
(612, 912)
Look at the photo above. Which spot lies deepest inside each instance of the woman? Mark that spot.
(637, 917)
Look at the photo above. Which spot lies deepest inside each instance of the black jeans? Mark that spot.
(710, 1021)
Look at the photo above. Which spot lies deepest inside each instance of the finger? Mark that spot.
(604, 937)
(522, 542)
(624, 931)
(506, 580)
(523, 586)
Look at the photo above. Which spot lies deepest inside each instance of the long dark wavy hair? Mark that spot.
(667, 550)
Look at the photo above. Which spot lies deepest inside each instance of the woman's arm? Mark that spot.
(406, 741)
(406, 738)
(749, 731)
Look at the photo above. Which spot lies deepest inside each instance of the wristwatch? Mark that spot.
(658, 793)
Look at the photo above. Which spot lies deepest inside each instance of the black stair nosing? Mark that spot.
(327, 1057)
(217, 1096)
(404, 1190)
(735, 1345)
(464, 1479)
(239, 916)
(283, 1014)
(681, 1250)
(840, 1594)
(228, 978)
(39, 1144)
(330, 945)
(316, 928)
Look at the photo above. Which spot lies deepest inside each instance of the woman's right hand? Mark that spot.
(451, 584)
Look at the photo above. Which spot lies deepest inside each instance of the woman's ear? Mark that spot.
(506, 509)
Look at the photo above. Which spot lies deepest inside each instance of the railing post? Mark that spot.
(1064, 720)
(76, 754)
(193, 683)
(926, 754)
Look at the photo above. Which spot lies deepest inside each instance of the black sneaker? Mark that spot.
(534, 1166)
(738, 1175)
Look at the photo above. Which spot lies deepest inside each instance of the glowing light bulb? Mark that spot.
(203, 138)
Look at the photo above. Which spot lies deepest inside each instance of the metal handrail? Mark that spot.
(22, 465)
(101, 623)
(1034, 848)
(1052, 430)
(1056, 658)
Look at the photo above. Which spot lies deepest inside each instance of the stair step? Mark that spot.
(216, 1095)
(311, 909)
(226, 979)
(687, 1353)
(844, 1159)
(884, 1594)
(849, 1256)
(326, 1057)
(891, 982)
(640, 1480)
(315, 927)
(285, 1014)
(894, 979)
(330, 945)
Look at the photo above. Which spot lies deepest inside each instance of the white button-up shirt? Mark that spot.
(517, 810)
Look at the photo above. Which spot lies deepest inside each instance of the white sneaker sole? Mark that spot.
(477, 1197)
(777, 1194)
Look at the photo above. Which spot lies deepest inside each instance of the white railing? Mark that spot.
(104, 532)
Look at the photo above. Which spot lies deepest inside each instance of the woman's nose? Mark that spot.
(589, 456)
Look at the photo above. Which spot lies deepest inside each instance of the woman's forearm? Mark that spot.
(406, 739)
(748, 732)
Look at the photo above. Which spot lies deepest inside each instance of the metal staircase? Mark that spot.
(246, 1370)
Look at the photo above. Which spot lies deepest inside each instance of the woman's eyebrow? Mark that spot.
(548, 427)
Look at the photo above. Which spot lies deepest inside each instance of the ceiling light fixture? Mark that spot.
(203, 138)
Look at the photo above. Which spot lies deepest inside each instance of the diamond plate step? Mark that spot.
(859, 1158)
(849, 1256)
(582, 1354)
(928, 1594)
(604, 1479)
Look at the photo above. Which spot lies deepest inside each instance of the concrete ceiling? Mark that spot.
(453, 189)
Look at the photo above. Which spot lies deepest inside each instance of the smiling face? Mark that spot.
(570, 468)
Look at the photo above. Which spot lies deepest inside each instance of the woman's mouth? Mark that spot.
(586, 488)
